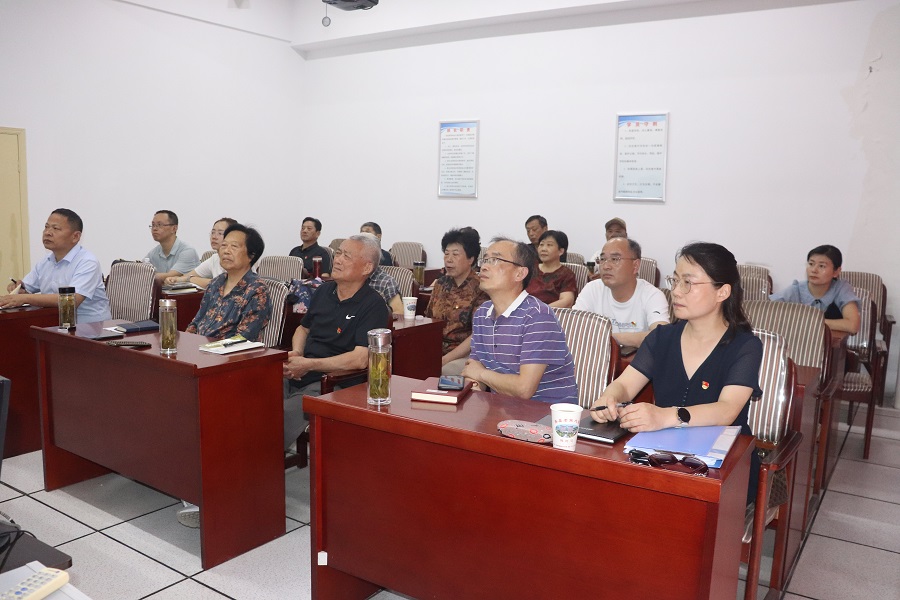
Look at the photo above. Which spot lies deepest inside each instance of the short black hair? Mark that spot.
(829, 251)
(466, 237)
(72, 217)
(314, 221)
(561, 239)
(537, 218)
(227, 220)
(172, 216)
(523, 256)
(375, 226)
(255, 244)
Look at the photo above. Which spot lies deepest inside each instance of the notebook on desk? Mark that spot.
(590, 429)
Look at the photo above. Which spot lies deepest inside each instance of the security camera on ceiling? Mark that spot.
(352, 4)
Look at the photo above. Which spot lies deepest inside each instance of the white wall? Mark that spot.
(781, 138)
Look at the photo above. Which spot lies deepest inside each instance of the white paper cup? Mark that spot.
(565, 419)
(409, 307)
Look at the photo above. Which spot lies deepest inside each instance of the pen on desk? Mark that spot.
(232, 343)
(619, 405)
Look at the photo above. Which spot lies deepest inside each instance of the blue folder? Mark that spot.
(710, 444)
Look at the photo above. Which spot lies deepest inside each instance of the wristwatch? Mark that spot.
(684, 416)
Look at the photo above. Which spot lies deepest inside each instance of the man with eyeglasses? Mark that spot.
(68, 264)
(634, 306)
(518, 347)
(171, 257)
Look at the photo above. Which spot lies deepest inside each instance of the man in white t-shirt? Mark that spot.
(634, 306)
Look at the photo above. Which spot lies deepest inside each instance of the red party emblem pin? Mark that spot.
(705, 385)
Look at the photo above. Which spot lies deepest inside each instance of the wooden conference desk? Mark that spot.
(19, 364)
(201, 427)
(434, 503)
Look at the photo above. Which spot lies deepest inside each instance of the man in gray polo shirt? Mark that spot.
(171, 257)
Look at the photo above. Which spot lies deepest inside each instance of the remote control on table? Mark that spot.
(128, 344)
(37, 585)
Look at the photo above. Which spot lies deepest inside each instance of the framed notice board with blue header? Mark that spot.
(641, 141)
(458, 159)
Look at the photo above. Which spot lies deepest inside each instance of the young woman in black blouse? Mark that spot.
(705, 366)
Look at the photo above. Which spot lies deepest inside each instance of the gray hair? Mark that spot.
(371, 247)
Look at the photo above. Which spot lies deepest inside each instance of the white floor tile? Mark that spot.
(882, 451)
(837, 570)
(25, 472)
(296, 484)
(860, 520)
(279, 569)
(860, 478)
(104, 569)
(187, 590)
(48, 525)
(105, 501)
(7, 493)
(160, 536)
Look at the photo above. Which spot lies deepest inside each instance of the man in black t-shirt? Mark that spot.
(310, 231)
(333, 334)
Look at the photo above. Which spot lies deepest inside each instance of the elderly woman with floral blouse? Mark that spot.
(236, 301)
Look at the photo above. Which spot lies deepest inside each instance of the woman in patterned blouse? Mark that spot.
(236, 301)
(552, 283)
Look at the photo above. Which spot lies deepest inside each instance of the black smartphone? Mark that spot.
(451, 382)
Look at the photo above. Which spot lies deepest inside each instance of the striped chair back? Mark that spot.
(403, 277)
(481, 255)
(871, 283)
(582, 275)
(648, 271)
(130, 290)
(802, 327)
(755, 287)
(207, 254)
(575, 258)
(280, 268)
(864, 340)
(769, 415)
(404, 253)
(277, 292)
(589, 338)
(668, 294)
(756, 271)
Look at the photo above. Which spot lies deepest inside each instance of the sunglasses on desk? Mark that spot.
(666, 460)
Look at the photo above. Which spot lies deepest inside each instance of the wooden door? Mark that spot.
(14, 254)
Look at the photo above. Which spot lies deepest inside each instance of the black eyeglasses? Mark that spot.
(666, 460)
(493, 260)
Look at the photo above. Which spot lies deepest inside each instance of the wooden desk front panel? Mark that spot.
(18, 363)
(468, 525)
(201, 427)
(417, 347)
(436, 504)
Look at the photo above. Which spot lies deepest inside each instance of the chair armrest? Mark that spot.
(784, 453)
(887, 324)
(335, 378)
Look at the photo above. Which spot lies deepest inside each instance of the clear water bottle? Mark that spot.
(67, 309)
(168, 327)
(378, 391)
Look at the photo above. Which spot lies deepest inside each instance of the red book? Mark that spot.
(428, 392)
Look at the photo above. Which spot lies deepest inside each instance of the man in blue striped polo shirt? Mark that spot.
(518, 347)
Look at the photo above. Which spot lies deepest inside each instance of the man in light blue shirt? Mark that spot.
(171, 257)
(67, 265)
